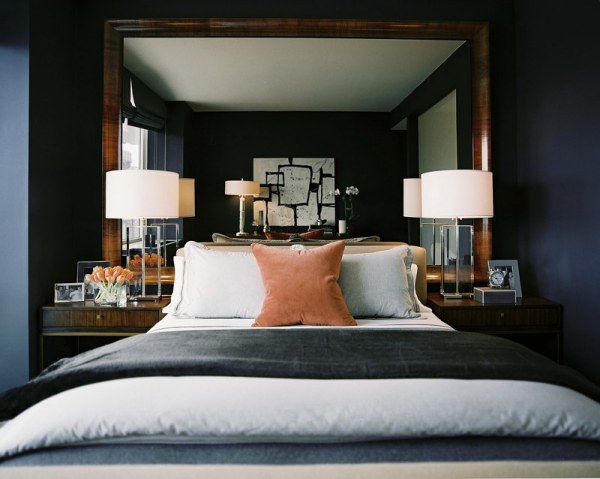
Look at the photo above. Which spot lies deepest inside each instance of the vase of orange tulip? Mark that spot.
(112, 285)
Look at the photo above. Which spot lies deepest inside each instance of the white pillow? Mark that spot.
(220, 284)
(179, 264)
(417, 302)
(379, 284)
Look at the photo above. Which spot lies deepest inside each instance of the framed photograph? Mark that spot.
(68, 292)
(86, 267)
(510, 270)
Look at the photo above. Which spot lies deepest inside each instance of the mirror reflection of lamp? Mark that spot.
(242, 189)
(143, 194)
(187, 209)
(457, 194)
(187, 202)
(187, 198)
(412, 209)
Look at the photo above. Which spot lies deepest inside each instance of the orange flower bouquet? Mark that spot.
(112, 284)
(151, 261)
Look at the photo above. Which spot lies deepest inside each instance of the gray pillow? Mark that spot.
(379, 284)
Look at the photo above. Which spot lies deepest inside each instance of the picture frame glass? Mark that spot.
(69, 292)
(84, 268)
(510, 270)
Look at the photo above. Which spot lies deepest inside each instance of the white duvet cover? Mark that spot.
(222, 410)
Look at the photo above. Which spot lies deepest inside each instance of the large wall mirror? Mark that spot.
(474, 33)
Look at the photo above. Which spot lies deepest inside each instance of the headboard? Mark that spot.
(419, 257)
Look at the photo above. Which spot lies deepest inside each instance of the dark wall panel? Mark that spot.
(367, 155)
(558, 153)
(59, 206)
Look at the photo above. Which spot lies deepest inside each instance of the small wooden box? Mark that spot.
(487, 295)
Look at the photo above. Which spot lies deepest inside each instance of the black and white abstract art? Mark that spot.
(295, 191)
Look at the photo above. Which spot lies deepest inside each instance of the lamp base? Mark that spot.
(152, 297)
(456, 295)
(457, 261)
(242, 233)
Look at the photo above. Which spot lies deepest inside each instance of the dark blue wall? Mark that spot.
(14, 115)
(558, 152)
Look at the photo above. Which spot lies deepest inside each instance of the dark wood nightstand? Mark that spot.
(533, 322)
(67, 329)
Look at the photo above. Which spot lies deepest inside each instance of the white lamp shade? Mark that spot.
(457, 194)
(187, 198)
(241, 187)
(412, 197)
(142, 194)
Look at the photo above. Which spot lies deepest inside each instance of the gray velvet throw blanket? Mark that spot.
(320, 353)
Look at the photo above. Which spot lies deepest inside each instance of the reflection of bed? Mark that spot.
(391, 396)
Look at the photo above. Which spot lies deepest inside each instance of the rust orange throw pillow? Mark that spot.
(301, 286)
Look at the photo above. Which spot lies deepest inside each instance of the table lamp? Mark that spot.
(143, 194)
(457, 194)
(242, 189)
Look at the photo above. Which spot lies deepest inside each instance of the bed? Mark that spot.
(302, 360)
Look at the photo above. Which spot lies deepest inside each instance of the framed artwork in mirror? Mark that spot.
(296, 190)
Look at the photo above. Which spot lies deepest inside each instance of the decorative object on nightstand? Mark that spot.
(493, 295)
(69, 292)
(496, 278)
(111, 284)
(84, 268)
(242, 189)
(143, 194)
(457, 194)
(508, 270)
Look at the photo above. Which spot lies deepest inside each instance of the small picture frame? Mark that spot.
(510, 268)
(86, 267)
(69, 292)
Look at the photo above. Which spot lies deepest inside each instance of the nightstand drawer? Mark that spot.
(100, 319)
(492, 317)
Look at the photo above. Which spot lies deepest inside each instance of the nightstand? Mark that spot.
(67, 329)
(533, 322)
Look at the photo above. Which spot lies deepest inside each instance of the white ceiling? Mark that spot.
(285, 74)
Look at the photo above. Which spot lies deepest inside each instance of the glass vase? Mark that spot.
(112, 295)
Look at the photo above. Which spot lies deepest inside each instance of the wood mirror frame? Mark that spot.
(476, 33)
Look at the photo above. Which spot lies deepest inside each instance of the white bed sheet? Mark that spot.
(426, 321)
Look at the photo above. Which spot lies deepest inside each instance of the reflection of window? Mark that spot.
(437, 151)
(134, 156)
(134, 150)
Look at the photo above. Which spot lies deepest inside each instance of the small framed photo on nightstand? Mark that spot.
(510, 270)
(69, 292)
